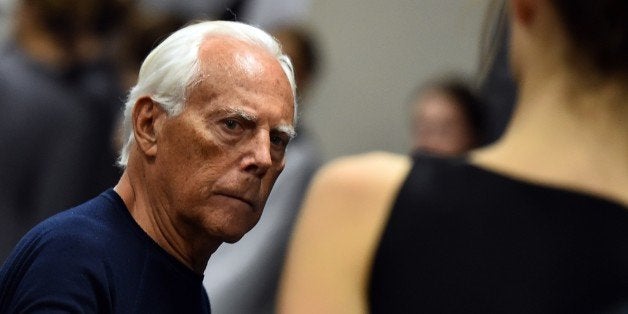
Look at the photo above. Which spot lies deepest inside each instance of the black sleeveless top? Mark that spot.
(461, 239)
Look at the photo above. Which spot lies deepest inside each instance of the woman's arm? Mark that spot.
(328, 265)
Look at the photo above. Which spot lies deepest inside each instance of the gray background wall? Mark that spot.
(376, 52)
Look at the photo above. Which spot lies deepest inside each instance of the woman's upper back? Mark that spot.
(464, 239)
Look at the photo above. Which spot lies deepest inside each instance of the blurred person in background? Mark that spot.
(60, 96)
(243, 277)
(445, 118)
(535, 223)
(144, 30)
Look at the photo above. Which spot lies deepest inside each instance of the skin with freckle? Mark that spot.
(218, 159)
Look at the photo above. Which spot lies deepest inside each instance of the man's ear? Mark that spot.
(524, 11)
(147, 120)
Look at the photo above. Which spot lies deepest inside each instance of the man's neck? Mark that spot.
(192, 251)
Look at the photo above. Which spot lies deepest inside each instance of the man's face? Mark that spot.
(217, 161)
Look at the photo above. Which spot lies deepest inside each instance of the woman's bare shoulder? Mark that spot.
(372, 170)
(338, 229)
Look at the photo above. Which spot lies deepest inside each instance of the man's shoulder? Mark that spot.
(63, 259)
(78, 229)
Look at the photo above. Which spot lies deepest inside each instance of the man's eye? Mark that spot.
(231, 124)
(278, 140)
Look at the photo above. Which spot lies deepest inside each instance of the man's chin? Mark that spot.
(234, 235)
(233, 238)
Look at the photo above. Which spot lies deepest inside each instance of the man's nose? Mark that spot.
(258, 158)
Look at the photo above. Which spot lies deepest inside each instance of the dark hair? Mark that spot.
(144, 31)
(465, 97)
(599, 31)
(309, 50)
(308, 46)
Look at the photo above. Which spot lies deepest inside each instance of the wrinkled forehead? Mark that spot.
(225, 53)
(226, 62)
(229, 58)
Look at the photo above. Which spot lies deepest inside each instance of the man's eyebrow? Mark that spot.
(284, 128)
(241, 113)
(287, 129)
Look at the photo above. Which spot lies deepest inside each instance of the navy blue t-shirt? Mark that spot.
(94, 258)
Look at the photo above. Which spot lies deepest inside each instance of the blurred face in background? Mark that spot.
(440, 125)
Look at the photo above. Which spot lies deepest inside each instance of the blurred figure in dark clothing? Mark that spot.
(60, 95)
(144, 30)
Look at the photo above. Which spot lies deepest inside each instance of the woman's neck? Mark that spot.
(568, 131)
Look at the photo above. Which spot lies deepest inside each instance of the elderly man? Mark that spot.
(207, 125)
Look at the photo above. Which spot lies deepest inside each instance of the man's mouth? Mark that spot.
(240, 198)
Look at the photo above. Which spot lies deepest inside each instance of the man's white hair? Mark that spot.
(173, 66)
